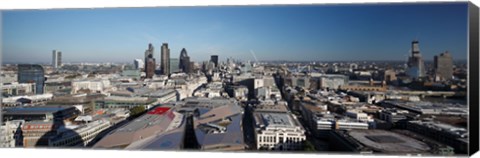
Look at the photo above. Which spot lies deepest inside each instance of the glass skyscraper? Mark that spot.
(28, 73)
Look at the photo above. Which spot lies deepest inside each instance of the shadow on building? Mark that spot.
(56, 135)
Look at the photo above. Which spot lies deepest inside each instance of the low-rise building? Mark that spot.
(46, 113)
(11, 134)
(278, 131)
(161, 128)
(455, 137)
(79, 136)
(15, 89)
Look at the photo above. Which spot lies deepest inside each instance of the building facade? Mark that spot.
(184, 63)
(416, 66)
(214, 59)
(56, 59)
(443, 65)
(165, 59)
(28, 73)
(149, 62)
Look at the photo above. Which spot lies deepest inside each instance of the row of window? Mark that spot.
(83, 137)
(273, 139)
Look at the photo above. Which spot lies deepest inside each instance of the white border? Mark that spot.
(49, 4)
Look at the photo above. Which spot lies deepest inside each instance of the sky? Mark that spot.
(295, 33)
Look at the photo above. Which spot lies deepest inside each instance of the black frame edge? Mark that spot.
(473, 39)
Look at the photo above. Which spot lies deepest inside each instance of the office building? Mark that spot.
(149, 62)
(443, 65)
(165, 59)
(416, 67)
(174, 62)
(332, 81)
(184, 63)
(278, 131)
(28, 73)
(139, 64)
(214, 59)
(56, 59)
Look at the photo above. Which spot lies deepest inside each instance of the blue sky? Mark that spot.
(315, 32)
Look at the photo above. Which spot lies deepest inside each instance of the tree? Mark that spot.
(137, 110)
(308, 146)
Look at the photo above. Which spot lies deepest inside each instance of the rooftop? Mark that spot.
(385, 141)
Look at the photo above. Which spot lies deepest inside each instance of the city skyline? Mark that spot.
(297, 33)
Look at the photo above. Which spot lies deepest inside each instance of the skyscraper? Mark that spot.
(56, 59)
(138, 63)
(443, 65)
(165, 59)
(149, 62)
(174, 61)
(214, 59)
(416, 67)
(184, 64)
(28, 73)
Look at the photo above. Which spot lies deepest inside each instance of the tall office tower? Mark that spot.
(443, 65)
(138, 63)
(416, 67)
(174, 61)
(165, 59)
(184, 64)
(28, 73)
(214, 59)
(149, 66)
(56, 59)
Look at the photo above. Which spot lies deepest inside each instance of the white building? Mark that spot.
(268, 93)
(358, 115)
(138, 63)
(13, 101)
(278, 131)
(56, 59)
(10, 133)
(81, 135)
(18, 88)
(333, 81)
(96, 85)
(346, 124)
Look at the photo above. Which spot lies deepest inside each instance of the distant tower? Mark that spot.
(28, 73)
(56, 59)
(165, 59)
(416, 67)
(138, 63)
(149, 62)
(184, 64)
(214, 59)
(443, 65)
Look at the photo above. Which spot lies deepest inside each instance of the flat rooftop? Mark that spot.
(389, 142)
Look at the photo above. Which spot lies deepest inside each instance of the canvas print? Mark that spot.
(386, 79)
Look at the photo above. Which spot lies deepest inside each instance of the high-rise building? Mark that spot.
(165, 59)
(443, 65)
(184, 64)
(150, 68)
(214, 59)
(28, 73)
(138, 63)
(416, 67)
(56, 59)
(149, 62)
(174, 61)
